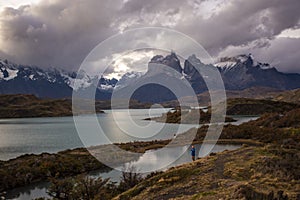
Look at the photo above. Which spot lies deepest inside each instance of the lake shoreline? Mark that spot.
(32, 168)
(36, 190)
(143, 146)
(86, 158)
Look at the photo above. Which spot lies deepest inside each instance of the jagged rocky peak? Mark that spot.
(189, 68)
(243, 60)
(227, 62)
(190, 63)
(170, 60)
(239, 58)
(193, 60)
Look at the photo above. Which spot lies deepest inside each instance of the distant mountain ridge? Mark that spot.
(239, 73)
(243, 71)
(50, 83)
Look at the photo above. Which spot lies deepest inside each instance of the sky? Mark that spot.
(16, 3)
(61, 33)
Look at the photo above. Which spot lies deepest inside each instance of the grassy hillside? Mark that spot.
(252, 93)
(29, 169)
(237, 106)
(247, 173)
(20, 105)
(268, 171)
(244, 106)
(289, 119)
(289, 96)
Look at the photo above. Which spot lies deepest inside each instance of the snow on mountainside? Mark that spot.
(7, 71)
(51, 82)
(128, 78)
(107, 84)
(229, 63)
(84, 82)
(243, 72)
(10, 71)
(238, 73)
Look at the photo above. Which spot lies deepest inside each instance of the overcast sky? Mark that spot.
(60, 33)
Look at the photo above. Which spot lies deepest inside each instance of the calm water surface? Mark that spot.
(37, 135)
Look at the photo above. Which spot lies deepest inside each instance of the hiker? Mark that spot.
(193, 153)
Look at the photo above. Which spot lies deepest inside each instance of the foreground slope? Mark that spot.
(247, 173)
(269, 170)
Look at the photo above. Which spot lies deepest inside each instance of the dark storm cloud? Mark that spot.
(236, 22)
(60, 33)
(55, 33)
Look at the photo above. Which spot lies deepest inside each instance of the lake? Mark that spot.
(37, 135)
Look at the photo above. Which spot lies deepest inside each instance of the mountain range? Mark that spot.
(238, 73)
(50, 83)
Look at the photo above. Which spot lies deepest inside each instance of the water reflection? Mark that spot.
(148, 161)
(152, 158)
(29, 192)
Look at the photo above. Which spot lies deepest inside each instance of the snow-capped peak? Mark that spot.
(228, 63)
(128, 78)
(243, 57)
(77, 82)
(7, 70)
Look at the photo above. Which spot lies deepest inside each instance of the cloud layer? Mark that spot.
(61, 33)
